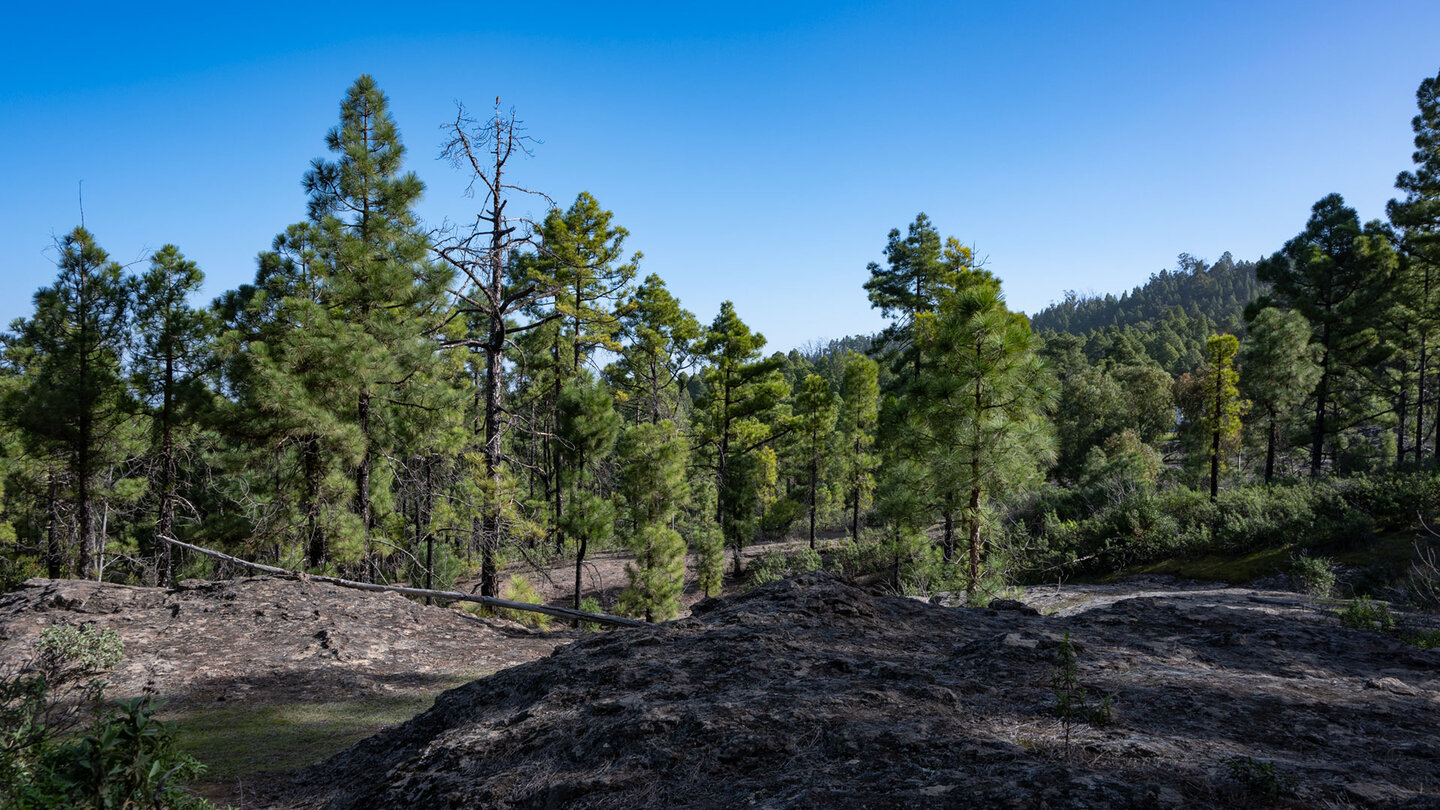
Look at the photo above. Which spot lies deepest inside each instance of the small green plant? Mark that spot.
(123, 758)
(519, 589)
(777, 565)
(1073, 703)
(1425, 639)
(592, 605)
(15, 570)
(1316, 574)
(1365, 614)
(1260, 777)
(85, 648)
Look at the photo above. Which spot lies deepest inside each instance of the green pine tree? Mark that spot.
(74, 401)
(586, 431)
(741, 388)
(173, 357)
(816, 412)
(859, 410)
(1223, 405)
(1277, 372)
(653, 458)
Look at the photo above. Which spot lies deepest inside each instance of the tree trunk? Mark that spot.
(814, 474)
(316, 552)
(362, 483)
(165, 520)
(1322, 393)
(974, 583)
(1270, 451)
(1420, 398)
(52, 528)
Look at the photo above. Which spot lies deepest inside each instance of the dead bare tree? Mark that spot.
(488, 299)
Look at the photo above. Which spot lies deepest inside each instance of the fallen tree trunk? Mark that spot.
(456, 596)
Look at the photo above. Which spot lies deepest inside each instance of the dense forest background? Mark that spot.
(396, 402)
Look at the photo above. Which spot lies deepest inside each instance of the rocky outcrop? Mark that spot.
(267, 639)
(815, 693)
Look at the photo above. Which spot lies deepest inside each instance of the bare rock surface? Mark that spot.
(267, 639)
(816, 693)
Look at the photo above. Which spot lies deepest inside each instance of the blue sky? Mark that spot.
(756, 152)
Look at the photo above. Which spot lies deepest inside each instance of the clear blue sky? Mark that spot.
(758, 152)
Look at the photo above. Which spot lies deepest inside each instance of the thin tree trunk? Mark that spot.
(814, 474)
(1270, 451)
(1322, 394)
(317, 551)
(1420, 396)
(52, 528)
(362, 482)
(165, 520)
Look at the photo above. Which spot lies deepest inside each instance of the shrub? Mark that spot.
(1072, 701)
(124, 758)
(14, 570)
(519, 589)
(1258, 777)
(1316, 574)
(591, 605)
(776, 565)
(1364, 614)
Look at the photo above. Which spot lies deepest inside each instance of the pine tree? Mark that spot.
(174, 353)
(581, 255)
(1223, 405)
(707, 540)
(586, 431)
(740, 387)
(815, 412)
(859, 410)
(653, 458)
(919, 269)
(979, 410)
(1277, 372)
(660, 338)
(382, 297)
(1417, 218)
(74, 401)
(1334, 274)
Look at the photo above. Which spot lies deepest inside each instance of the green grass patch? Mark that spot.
(235, 741)
(1391, 551)
(1227, 568)
(1387, 556)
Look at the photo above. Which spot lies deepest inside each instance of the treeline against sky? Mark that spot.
(392, 402)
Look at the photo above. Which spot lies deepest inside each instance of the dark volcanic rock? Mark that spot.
(814, 693)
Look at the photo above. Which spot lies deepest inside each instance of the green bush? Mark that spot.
(519, 589)
(592, 605)
(1146, 525)
(777, 565)
(1364, 614)
(14, 570)
(123, 758)
(860, 559)
(1316, 574)
(1260, 777)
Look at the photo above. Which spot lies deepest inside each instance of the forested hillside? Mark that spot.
(1166, 320)
(1218, 291)
(391, 402)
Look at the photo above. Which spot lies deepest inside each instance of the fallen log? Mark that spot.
(454, 596)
